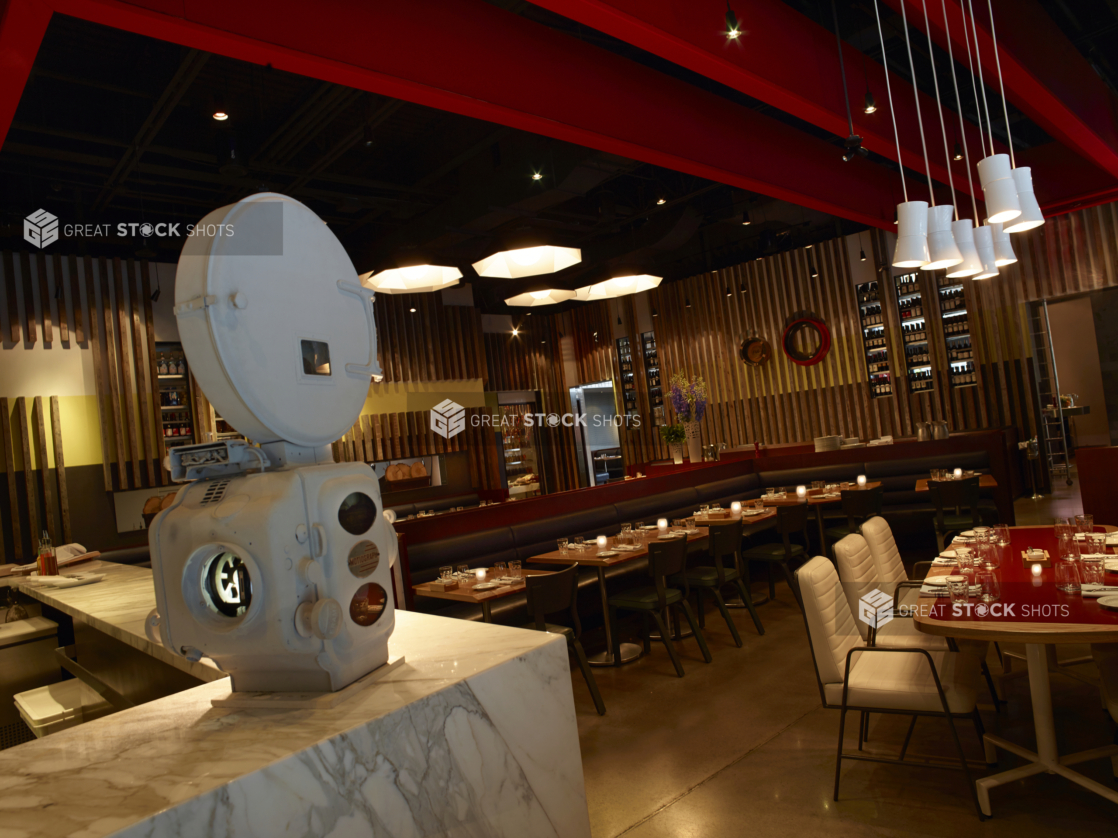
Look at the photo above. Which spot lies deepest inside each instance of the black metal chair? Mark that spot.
(789, 520)
(858, 505)
(554, 592)
(665, 559)
(956, 503)
(725, 549)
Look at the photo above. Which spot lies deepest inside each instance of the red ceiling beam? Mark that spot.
(786, 60)
(1045, 75)
(22, 25)
(468, 57)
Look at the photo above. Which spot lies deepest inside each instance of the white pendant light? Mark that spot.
(546, 297)
(618, 287)
(963, 232)
(984, 242)
(942, 250)
(912, 235)
(1031, 216)
(999, 188)
(413, 279)
(528, 261)
(1003, 247)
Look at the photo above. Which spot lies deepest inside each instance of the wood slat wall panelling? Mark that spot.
(76, 307)
(96, 350)
(15, 317)
(10, 472)
(128, 422)
(202, 417)
(31, 331)
(44, 298)
(144, 391)
(60, 470)
(59, 284)
(38, 423)
(28, 471)
(111, 367)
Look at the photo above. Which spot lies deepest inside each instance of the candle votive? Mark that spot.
(662, 525)
(603, 542)
(801, 492)
(958, 474)
(479, 574)
(1037, 570)
(735, 509)
(861, 481)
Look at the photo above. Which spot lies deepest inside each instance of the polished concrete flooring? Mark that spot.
(742, 746)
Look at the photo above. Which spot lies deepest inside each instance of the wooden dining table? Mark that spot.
(985, 481)
(1033, 612)
(817, 498)
(465, 591)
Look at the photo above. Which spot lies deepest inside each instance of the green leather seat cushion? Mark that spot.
(644, 599)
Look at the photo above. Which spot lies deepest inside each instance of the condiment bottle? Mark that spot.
(48, 563)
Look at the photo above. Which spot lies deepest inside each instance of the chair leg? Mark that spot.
(861, 728)
(725, 616)
(866, 734)
(584, 665)
(979, 728)
(646, 633)
(838, 758)
(700, 606)
(908, 736)
(993, 690)
(966, 768)
(686, 606)
(791, 582)
(743, 589)
(772, 582)
(666, 636)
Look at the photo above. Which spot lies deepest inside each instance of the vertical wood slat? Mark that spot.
(108, 343)
(149, 412)
(60, 292)
(95, 350)
(28, 471)
(44, 298)
(31, 331)
(15, 318)
(135, 451)
(60, 471)
(39, 425)
(76, 299)
(10, 470)
(162, 475)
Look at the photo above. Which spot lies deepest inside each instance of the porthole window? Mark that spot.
(357, 513)
(368, 604)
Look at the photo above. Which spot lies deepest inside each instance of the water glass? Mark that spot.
(1064, 526)
(1092, 570)
(446, 573)
(677, 524)
(578, 542)
(514, 569)
(964, 560)
(463, 571)
(1067, 548)
(562, 542)
(704, 508)
(769, 492)
(1067, 577)
(1094, 543)
(1001, 535)
(626, 529)
(817, 484)
(783, 490)
(1085, 523)
(959, 588)
(716, 507)
(500, 569)
(990, 589)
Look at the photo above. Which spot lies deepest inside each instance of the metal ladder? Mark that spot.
(1049, 407)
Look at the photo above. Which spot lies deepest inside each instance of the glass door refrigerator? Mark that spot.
(519, 455)
(176, 396)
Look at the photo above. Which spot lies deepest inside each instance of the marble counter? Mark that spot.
(475, 735)
(118, 606)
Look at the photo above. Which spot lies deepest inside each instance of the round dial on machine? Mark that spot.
(276, 325)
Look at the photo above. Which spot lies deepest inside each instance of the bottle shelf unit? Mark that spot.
(875, 349)
(628, 376)
(956, 333)
(175, 397)
(914, 333)
(652, 373)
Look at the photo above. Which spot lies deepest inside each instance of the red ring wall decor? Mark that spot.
(824, 341)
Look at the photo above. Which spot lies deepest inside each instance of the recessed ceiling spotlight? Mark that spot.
(412, 310)
(537, 175)
(219, 113)
(733, 28)
(515, 331)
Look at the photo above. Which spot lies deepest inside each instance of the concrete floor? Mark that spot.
(742, 746)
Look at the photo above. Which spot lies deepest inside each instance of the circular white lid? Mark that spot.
(274, 322)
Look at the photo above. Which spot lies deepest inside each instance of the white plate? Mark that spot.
(936, 581)
(967, 534)
(649, 527)
(671, 536)
(752, 511)
(948, 554)
(487, 586)
(605, 554)
(1110, 602)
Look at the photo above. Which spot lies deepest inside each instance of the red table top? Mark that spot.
(1029, 604)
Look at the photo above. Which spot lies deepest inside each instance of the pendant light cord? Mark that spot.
(889, 94)
(939, 107)
(1001, 85)
(916, 97)
(981, 82)
(842, 69)
(970, 69)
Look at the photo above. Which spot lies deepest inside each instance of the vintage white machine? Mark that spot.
(274, 560)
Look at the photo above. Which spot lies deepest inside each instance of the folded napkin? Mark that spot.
(941, 590)
(1093, 589)
(1111, 537)
(1111, 564)
(943, 561)
(626, 548)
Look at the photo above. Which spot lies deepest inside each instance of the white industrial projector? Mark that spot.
(273, 560)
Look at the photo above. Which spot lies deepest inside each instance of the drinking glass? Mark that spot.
(463, 571)
(783, 490)
(578, 543)
(1067, 547)
(769, 492)
(1085, 523)
(964, 561)
(1001, 535)
(446, 572)
(678, 524)
(818, 484)
(514, 569)
(626, 528)
(1064, 526)
(500, 569)
(1092, 570)
(704, 508)
(716, 507)
(990, 589)
(1067, 577)
(982, 533)
(959, 588)
(1094, 543)
(562, 542)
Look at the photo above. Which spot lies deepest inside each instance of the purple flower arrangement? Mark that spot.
(688, 397)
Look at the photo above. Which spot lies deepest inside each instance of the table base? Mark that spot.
(1046, 759)
(629, 653)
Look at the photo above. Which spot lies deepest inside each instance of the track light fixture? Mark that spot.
(537, 175)
(958, 155)
(661, 198)
(219, 112)
(729, 293)
(733, 28)
(367, 133)
(862, 255)
(655, 311)
(687, 302)
(813, 270)
(412, 310)
(745, 219)
(619, 323)
(871, 105)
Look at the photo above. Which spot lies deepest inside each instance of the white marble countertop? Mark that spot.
(474, 734)
(118, 605)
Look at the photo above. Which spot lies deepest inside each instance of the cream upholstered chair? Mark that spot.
(853, 676)
(886, 556)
